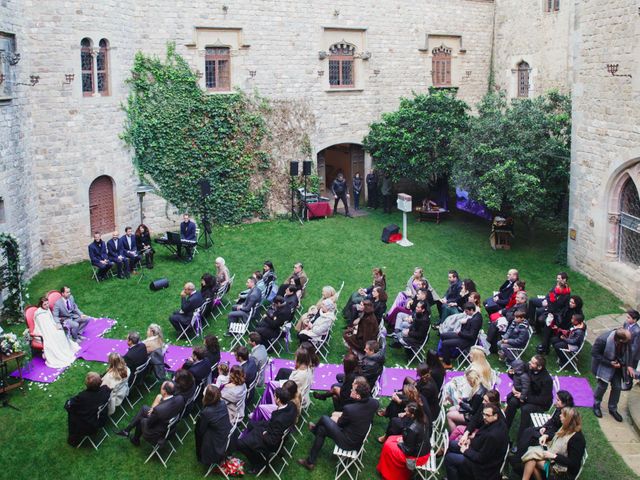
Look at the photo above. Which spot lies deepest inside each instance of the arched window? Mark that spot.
(341, 73)
(552, 5)
(101, 205)
(217, 69)
(629, 234)
(86, 62)
(102, 64)
(441, 66)
(523, 79)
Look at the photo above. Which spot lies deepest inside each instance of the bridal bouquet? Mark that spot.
(9, 344)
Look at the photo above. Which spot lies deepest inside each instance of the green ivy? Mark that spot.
(11, 280)
(181, 134)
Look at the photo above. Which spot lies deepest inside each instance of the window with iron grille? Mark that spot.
(102, 67)
(629, 235)
(217, 69)
(341, 72)
(552, 5)
(441, 66)
(7, 59)
(523, 79)
(86, 61)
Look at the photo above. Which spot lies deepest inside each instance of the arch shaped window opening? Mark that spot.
(86, 62)
(441, 66)
(629, 233)
(217, 69)
(341, 71)
(102, 67)
(523, 79)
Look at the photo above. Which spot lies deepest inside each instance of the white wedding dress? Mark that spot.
(59, 351)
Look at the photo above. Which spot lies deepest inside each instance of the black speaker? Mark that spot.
(159, 284)
(306, 168)
(205, 187)
(388, 231)
(293, 169)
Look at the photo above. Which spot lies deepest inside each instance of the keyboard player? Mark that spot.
(188, 237)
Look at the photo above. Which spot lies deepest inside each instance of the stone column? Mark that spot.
(612, 237)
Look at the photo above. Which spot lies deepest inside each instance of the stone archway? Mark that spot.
(347, 158)
(102, 213)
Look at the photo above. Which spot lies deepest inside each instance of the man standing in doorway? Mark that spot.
(372, 189)
(340, 191)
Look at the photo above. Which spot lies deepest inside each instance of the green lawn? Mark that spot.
(32, 441)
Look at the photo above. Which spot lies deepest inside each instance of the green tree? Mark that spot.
(515, 156)
(414, 141)
(181, 135)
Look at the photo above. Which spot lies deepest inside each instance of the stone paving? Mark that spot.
(623, 436)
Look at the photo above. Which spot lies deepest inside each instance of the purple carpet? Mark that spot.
(98, 349)
(37, 371)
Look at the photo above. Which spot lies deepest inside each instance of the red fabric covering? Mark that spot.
(396, 237)
(392, 464)
(320, 209)
(494, 316)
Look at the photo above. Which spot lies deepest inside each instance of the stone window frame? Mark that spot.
(212, 71)
(523, 79)
(98, 73)
(7, 61)
(441, 67)
(342, 55)
(355, 38)
(631, 171)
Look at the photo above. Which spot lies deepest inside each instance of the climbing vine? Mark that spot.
(11, 281)
(181, 135)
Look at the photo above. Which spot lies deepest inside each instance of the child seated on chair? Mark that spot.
(516, 336)
(223, 374)
(519, 373)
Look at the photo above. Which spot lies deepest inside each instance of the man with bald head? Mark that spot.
(190, 300)
(610, 364)
(502, 296)
(115, 251)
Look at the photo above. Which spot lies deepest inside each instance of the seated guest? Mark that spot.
(263, 411)
(185, 386)
(199, 365)
(272, 322)
(156, 348)
(190, 300)
(458, 388)
(451, 308)
(58, 350)
(152, 423)
(291, 298)
(429, 391)
(259, 355)
(116, 379)
(452, 295)
(67, 313)
(351, 428)
(129, 248)
(143, 244)
(188, 233)
(372, 364)
(83, 409)
(240, 311)
(518, 286)
(116, 255)
(413, 285)
(212, 428)
(414, 336)
(436, 368)
(468, 407)
(364, 328)
(263, 437)
(268, 273)
(414, 443)
(222, 273)
(340, 392)
(464, 339)
(249, 368)
(539, 398)
(213, 349)
(501, 298)
(454, 322)
(317, 328)
(553, 304)
(500, 325)
(302, 374)
(208, 287)
(378, 297)
(481, 456)
(563, 455)
(554, 328)
(462, 433)
(98, 256)
(223, 375)
(516, 336)
(379, 280)
(395, 410)
(298, 278)
(405, 318)
(136, 355)
(234, 394)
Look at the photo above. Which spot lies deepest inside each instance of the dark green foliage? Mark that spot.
(11, 282)
(515, 156)
(181, 135)
(414, 141)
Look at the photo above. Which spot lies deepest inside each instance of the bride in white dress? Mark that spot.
(59, 350)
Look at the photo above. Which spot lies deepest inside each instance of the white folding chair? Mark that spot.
(517, 352)
(183, 415)
(195, 328)
(572, 359)
(221, 300)
(339, 292)
(463, 359)
(429, 471)
(271, 459)
(102, 432)
(165, 441)
(417, 353)
(136, 384)
(237, 331)
(214, 465)
(539, 419)
(350, 458)
(584, 460)
(274, 343)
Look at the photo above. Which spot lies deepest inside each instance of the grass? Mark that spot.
(334, 250)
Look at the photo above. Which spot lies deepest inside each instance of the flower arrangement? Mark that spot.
(9, 343)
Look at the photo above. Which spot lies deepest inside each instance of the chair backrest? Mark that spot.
(139, 371)
(584, 460)
(53, 296)
(29, 318)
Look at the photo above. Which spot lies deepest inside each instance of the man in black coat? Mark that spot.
(351, 428)
(200, 366)
(191, 299)
(480, 458)
(213, 427)
(500, 300)
(151, 423)
(262, 437)
(465, 338)
(372, 364)
(340, 191)
(249, 368)
(136, 355)
(98, 256)
(539, 398)
(372, 189)
(414, 336)
(83, 409)
(278, 314)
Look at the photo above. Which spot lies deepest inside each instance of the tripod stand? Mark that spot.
(205, 240)
(294, 213)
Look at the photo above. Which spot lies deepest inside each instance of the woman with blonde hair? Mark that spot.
(307, 319)
(222, 273)
(467, 407)
(458, 387)
(156, 348)
(562, 458)
(116, 379)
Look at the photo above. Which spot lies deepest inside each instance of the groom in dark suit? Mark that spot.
(116, 255)
(98, 256)
(129, 248)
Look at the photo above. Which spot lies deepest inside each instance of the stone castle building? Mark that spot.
(66, 172)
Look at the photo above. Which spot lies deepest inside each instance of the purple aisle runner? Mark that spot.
(98, 349)
(37, 371)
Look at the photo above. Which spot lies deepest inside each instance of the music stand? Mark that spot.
(205, 233)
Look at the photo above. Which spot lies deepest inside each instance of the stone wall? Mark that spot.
(606, 139)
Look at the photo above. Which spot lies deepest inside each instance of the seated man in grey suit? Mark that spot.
(69, 315)
(240, 311)
(191, 299)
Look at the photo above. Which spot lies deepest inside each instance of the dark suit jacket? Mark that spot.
(112, 251)
(122, 243)
(254, 297)
(200, 370)
(97, 252)
(212, 430)
(504, 293)
(470, 330)
(154, 427)
(355, 420)
(83, 410)
(487, 449)
(135, 356)
(188, 231)
(189, 304)
(279, 422)
(453, 292)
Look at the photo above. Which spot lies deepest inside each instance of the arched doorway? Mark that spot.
(347, 158)
(101, 205)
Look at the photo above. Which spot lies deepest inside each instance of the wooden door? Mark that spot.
(101, 205)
